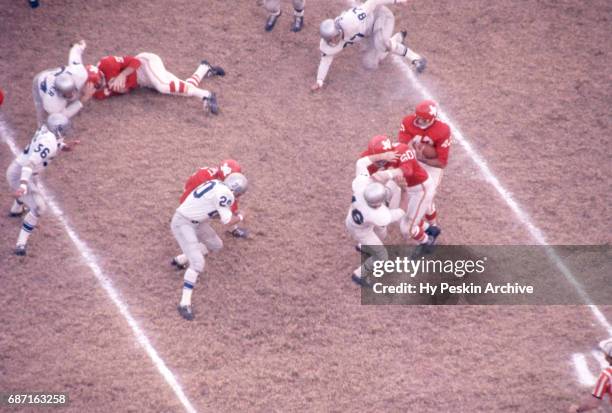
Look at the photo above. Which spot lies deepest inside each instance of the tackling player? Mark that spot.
(431, 140)
(206, 174)
(190, 224)
(603, 385)
(369, 215)
(59, 90)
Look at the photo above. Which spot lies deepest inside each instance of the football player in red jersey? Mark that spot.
(603, 386)
(124, 73)
(408, 173)
(431, 140)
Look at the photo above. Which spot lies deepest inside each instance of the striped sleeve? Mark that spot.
(603, 384)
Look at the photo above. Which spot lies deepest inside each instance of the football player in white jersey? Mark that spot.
(59, 90)
(371, 21)
(190, 225)
(23, 172)
(369, 215)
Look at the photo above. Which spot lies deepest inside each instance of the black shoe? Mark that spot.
(20, 250)
(298, 23)
(211, 104)
(434, 231)
(420, 64)
(361, 281)
(271, 22)
(186, 312)
(177, 265)
(404, 35)
(213, 70)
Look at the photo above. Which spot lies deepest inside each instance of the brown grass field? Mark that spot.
(279, 325)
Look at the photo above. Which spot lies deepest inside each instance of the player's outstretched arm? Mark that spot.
(75, 56)
(324, 65)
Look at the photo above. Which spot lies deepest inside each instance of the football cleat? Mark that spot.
(434, 232)
(420, 64)
(186, 312)
(361, 281)
(213, 70)
(20, 250)
(178, 265)
(17, 209)
(298, 23)
(271, 21)
(210, 104)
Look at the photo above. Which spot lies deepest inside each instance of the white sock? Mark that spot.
(189, 281)
(28, 225)
(198, 75)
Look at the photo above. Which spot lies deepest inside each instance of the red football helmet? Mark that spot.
(426, 113)
(94, 76)
(379, 144)
(227, 167)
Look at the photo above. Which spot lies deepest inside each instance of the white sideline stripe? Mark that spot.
(520, 213)
(105, 282)
(585, 377)
(598, 355)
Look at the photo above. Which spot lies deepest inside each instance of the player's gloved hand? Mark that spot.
(240, 232)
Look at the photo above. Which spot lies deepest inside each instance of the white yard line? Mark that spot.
(91, 260)
(585, 377)
(522, 216)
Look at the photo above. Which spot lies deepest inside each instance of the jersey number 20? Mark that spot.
(204, 188)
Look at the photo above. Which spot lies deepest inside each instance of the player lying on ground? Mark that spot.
(190, 225)
(274, 12)
(419, 186)
(22, 174)
(372, 21)
(199, 177)
(603, 385)
(431, 139)
(122, 74)
(59, 90)
(369, 214)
